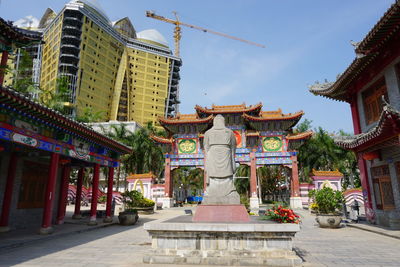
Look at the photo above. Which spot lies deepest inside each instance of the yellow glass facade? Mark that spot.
(125, 78)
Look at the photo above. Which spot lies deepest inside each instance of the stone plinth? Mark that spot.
(181, 241)
(221, 213)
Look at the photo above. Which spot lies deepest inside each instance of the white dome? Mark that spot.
(95, 5)
(152, 35)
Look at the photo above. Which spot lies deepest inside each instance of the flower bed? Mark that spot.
(282, 215)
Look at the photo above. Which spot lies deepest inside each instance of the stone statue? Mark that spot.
(220, 147)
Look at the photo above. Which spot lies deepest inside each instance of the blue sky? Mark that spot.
(306, 41)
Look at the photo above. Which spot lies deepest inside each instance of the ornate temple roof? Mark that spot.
(15, 100)
(19, 37)
(335, 173)
(184, 119)
(299, 136)
(136, 176)
(387, 127)
(162, 140)
(367, 51)
(274, 115)
(228, 109)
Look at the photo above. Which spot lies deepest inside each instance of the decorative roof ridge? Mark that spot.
(299, 136)
(287, 116)
(141, 175)
(364, 55)
(362, 45)
(278, 111)
(326, 173)
(29, 34)
(18, 97)
(217, 111)
(353, 141)
(176, 120)
(161, 139)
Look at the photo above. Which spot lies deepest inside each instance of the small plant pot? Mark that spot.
(128, 217)
(329, 220)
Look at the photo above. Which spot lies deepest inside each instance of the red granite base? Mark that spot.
(221, 213)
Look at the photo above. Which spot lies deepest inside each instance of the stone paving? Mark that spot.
(124, 246)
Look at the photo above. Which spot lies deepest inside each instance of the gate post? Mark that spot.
(254, 201)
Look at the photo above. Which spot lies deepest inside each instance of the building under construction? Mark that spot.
(128, 75)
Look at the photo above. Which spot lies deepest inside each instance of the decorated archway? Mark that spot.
(263, 138)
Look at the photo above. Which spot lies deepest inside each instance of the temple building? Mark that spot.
(127, 75)
(371, 85)
(262, 137)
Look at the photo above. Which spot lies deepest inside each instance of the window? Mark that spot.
(372, 100)
(33, 185)
(382, 187)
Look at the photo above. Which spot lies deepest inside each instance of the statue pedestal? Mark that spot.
(255, 243)
(221, 213)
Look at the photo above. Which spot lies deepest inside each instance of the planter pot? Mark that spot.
(145, 210)
(128, 217)
(329, 220)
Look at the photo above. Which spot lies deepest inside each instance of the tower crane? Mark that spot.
(178, 35)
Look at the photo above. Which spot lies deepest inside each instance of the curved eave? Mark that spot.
(174, 121)
(20, 102)
(300, 136)
(327, 173)
(162, 140)
(21, 36)
(386, 26)
(296, 116)
(387, 127)
(253, 108)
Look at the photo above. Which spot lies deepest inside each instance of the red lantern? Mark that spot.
(371, 155)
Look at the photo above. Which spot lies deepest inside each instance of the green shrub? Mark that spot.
(327, 200)
(134, 199)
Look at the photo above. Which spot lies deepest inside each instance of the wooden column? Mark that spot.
(12, 167)
(253, 175)
(295, 186)
(366, 189)
(109, 194)
(95, 194)
(78, 196)
(168, 179)
(3, 65)
(62, 200)
(49, 194)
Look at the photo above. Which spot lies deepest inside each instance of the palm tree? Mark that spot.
(242, 185)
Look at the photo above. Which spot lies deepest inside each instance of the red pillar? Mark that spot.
(295, 186)
(168, 182)
(109, 193)
(62, 201)
(366, 190)
(95, 194)
(78, 196)
(253, 175)
(12, 167)
(355, 116)
(3, 65)
(49, 194)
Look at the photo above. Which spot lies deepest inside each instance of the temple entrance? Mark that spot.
(187, 184)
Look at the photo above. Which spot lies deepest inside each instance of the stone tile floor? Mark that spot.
(124, 246)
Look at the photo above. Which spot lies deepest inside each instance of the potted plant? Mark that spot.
(130, 215)
(141, 204)
(327, 204)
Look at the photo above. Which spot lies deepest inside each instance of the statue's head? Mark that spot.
(219, 122)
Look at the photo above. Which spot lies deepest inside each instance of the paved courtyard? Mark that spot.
(124, 246)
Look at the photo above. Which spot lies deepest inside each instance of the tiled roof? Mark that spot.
(162, 140)
(141, 176)
(228, 109)
(326, 173)
(387, 126)
(184, 118)
(19, 36)
(367, 51)
(13, 99)
(274, 115)
(299, 136)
